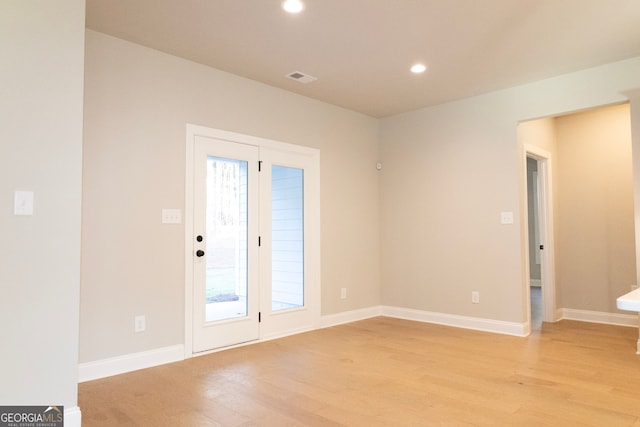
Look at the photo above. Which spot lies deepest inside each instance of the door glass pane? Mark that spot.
(226, 245)
(287, 281)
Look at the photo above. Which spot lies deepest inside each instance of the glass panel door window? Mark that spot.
(287, 238)
(226, 287)
(226, 240)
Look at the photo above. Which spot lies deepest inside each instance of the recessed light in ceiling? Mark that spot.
(293, 6)
(418, 68)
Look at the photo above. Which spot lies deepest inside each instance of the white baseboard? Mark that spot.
(132, 362)
(479, 324)
(147, 359)
(129, 362)
(350, 316)
(616, 319)
(475, 323)
(72, 417)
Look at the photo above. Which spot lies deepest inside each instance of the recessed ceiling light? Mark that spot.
(418, 68)
(293, 6)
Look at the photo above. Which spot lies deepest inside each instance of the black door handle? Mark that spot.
(199, 253)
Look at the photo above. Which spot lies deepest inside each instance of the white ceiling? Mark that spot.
(361, 50)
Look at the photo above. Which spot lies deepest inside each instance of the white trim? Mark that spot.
(147, 359)
(129, 362)
(545, 196)
(72, 417)
(350, 316)
(188, 241)
(475, 323)
(195, 130)
(312, 262)
(616, 319)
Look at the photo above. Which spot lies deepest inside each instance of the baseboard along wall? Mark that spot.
(129, 362)
(133, 362)
(616, 319)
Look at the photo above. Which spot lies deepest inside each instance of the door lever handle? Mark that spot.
(199, 253)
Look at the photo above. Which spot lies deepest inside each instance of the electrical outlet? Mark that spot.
(475, 297)
(343, 293)
(140, 323)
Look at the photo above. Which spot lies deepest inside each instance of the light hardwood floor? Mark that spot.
(388, 372)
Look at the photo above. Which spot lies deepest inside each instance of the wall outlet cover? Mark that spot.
(475, 297)
(140, 323)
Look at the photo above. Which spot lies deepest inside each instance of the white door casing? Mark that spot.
(545, 217)
(273, 323)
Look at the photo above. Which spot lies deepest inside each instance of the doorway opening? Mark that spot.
(540, 289)
(535, 247)
(593, 225)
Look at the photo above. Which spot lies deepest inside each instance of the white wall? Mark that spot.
(137, 103)
(595, 244)
(449, 172)
(427, 226)
(42, 45)
(594, 249)
(634, 97)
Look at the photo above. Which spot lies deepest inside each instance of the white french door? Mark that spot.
(225, 244)
(253, 242)
(286, 209)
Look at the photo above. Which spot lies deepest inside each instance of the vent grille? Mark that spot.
(301, 77)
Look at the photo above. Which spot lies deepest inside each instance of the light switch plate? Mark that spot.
(506, 217)
(171, 216)
(23, 203)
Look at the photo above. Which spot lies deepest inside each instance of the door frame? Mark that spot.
(312, 261)
(545, 216)
(217, 333)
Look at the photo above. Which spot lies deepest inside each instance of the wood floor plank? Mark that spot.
(388, 372)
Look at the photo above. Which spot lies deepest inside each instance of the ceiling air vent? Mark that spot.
(301, 77)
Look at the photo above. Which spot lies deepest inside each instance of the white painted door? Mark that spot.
(254, 241)
(287, 184)
(225, 244)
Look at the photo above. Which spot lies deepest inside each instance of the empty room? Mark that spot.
(317, 213)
